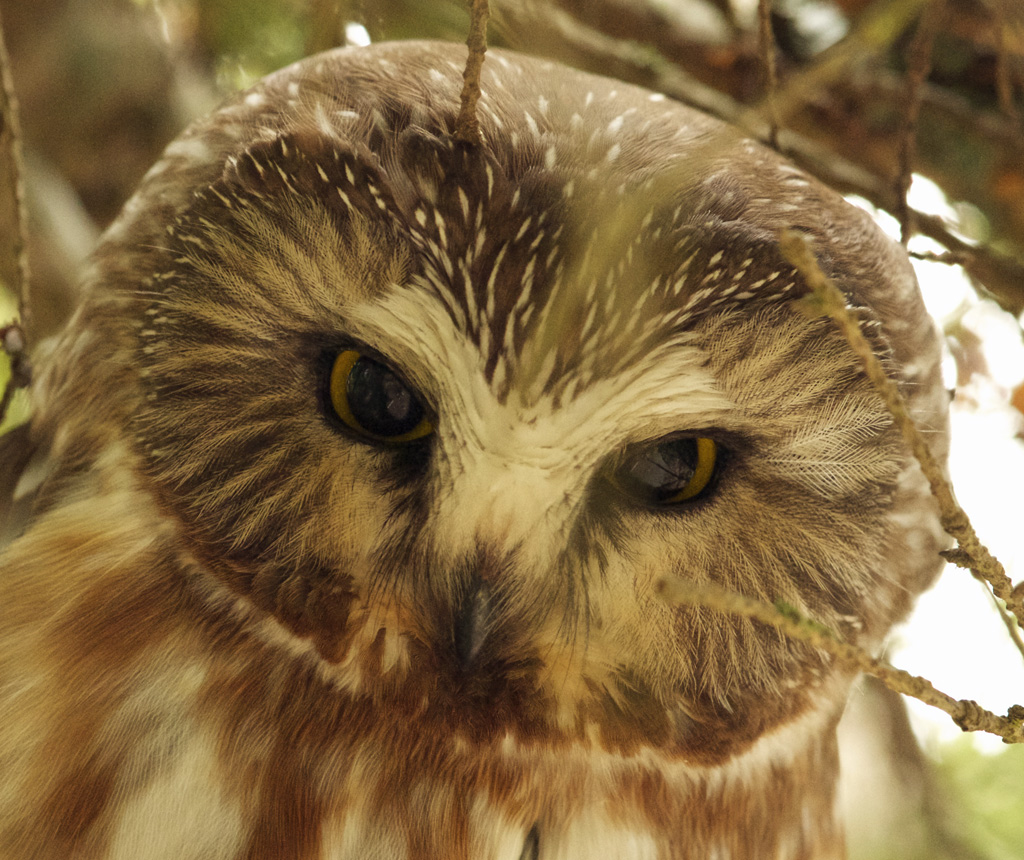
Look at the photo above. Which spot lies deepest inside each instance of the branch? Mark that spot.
(467, 126)
(961, 559)
(828, 299)
(14, 252)
(1004, 80)
(967, 714)
(919, 64)
(767, 48)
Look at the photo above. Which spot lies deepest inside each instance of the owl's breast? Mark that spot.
(457, 762)
(413, 794)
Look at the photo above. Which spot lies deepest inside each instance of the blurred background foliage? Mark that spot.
(105, 84)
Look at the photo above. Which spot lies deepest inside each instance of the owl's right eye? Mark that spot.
(669, 472)
(374, 401)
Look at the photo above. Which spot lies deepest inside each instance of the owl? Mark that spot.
(354, 476)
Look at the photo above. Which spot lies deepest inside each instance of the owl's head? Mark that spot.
(443, 416)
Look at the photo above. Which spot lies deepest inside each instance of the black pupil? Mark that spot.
(380, 401)
(661, 471)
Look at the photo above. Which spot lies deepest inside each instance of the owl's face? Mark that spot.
(445, 416)
(363, 457)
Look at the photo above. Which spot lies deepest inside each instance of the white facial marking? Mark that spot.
(517, 468)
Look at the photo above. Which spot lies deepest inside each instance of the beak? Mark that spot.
(473, 624)
(531, 848)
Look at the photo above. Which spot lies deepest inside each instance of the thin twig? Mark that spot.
(919, 64)
(949, 258)
(967, 714)
(829, 300)
(1001, 275)
(467, 125)
(961, 559)
(1004, 80)
(997, 276)
(15, 270)
(12, 342)
(1008, 623)
(767, 49)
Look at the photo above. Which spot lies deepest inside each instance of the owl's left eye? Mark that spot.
(668, 472)
(374, 401)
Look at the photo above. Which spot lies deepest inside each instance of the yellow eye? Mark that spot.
(668, 472)
(374, 401)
